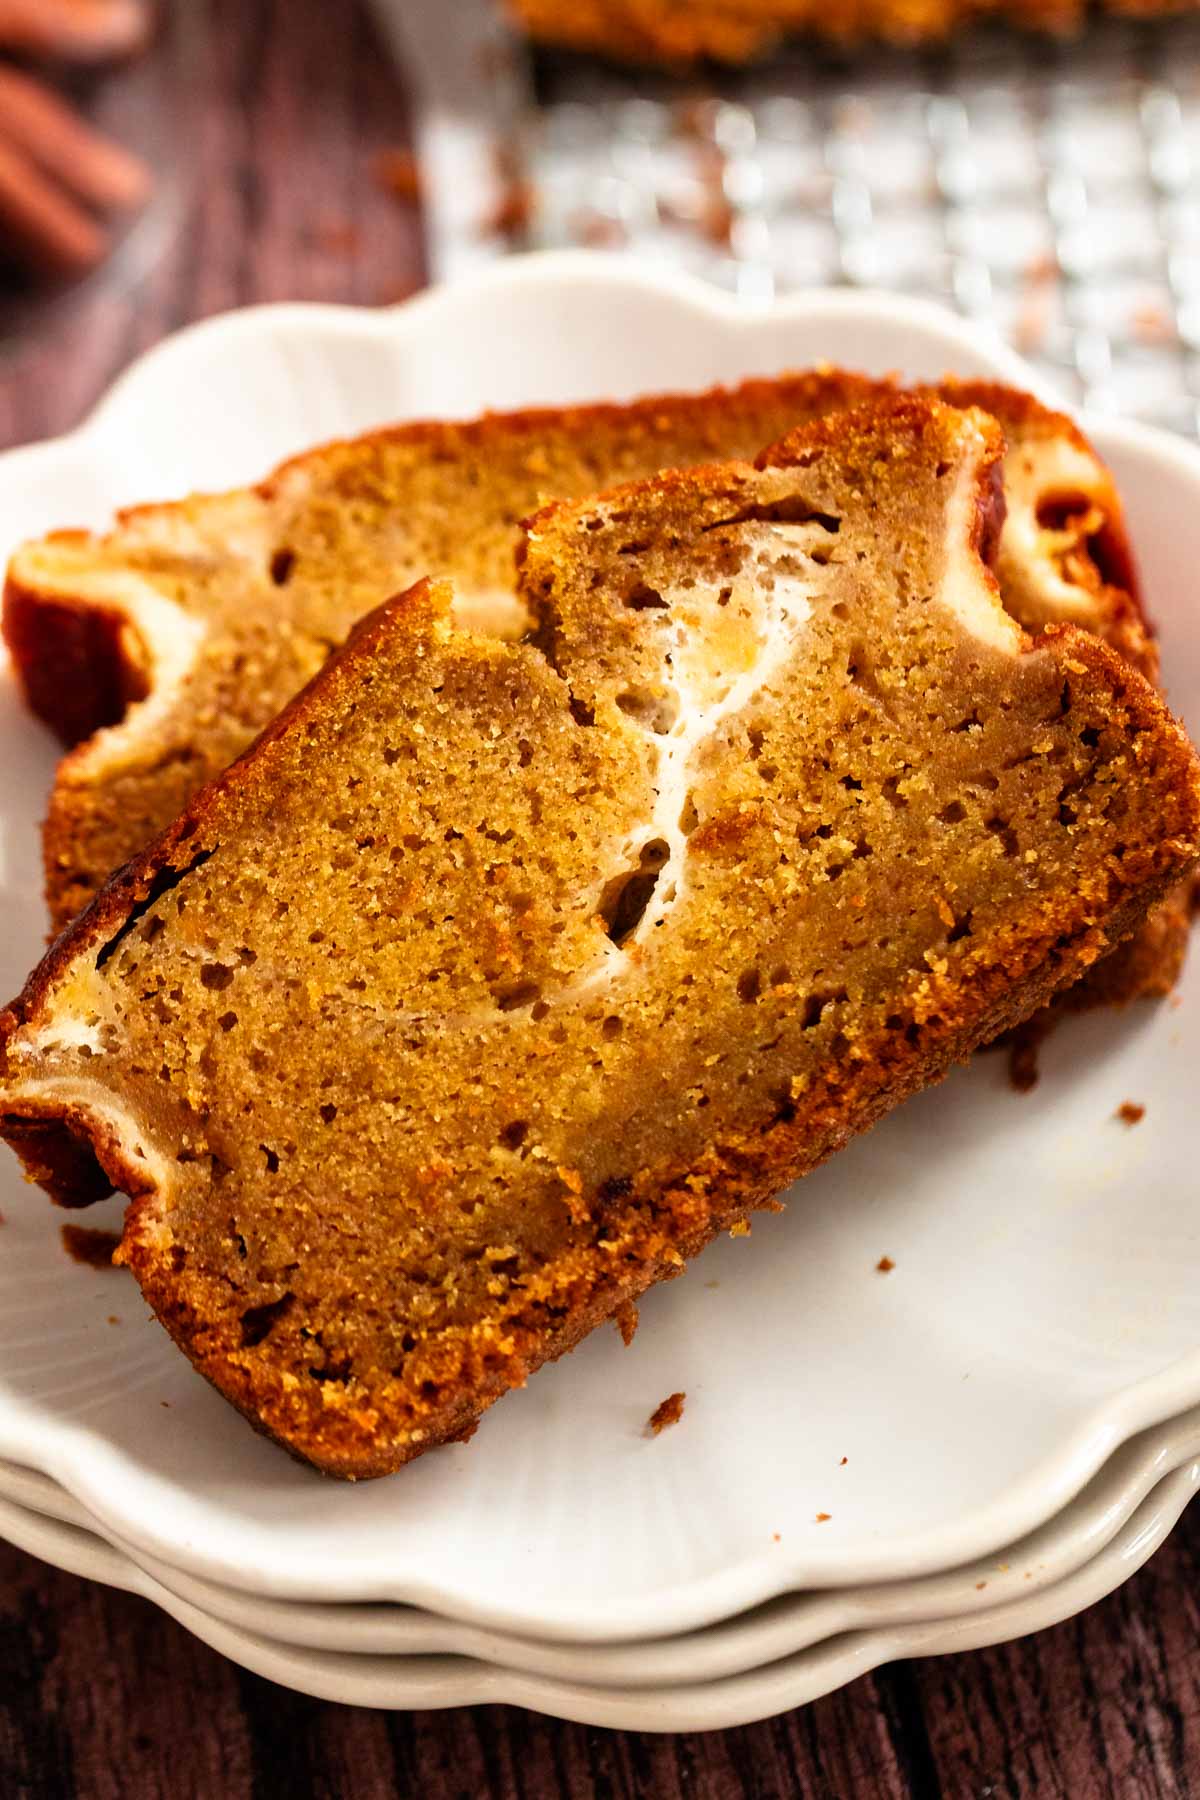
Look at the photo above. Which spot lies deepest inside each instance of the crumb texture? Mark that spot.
(500, 976)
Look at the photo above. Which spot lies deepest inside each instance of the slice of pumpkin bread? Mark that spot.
(497, 977)
(168, 644)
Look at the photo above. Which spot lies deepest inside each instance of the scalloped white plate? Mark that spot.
(1045, 1303)
(783, 1627)
(405, 1682)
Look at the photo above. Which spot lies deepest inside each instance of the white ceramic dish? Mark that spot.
(412, 1682)
(1045, 1303)
(1078, 1535)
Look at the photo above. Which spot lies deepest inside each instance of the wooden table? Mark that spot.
(104, 1698)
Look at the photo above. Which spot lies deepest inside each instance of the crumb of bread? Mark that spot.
(1130, 1113)
(741, 1229)
(626, 1320)
(885, 1265)
(822, 1517)
(668, 1413)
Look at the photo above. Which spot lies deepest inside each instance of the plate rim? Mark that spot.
(1064, 1544)
(410, 1683)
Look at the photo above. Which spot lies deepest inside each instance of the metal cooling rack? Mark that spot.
(1050, 191)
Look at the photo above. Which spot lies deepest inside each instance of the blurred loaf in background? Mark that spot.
(683, 31)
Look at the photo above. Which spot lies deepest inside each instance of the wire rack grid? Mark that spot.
(1051, 191)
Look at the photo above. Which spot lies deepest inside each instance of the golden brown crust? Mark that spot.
(1146, 966)
(72, 659)
(1023, 416)
(620, 1228)
(57, 1151)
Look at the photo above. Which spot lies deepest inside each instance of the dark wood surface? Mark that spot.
(104, 1698)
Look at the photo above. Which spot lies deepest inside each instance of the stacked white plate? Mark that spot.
(869, 1465)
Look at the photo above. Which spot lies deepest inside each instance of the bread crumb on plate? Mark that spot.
(669, 1412)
